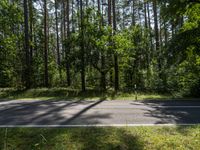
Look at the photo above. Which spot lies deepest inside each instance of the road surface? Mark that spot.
(33, 113)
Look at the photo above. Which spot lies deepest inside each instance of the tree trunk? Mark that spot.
(62, 32)
(57, 41)
(145, 14)
(46, 75)
(99, 7)
(31, 33)
(149, 24)
(82, 49)
(73, 28)
(148, 44)
(133, 13)
(116, 67)
(64, 23)
(156, 34)
(68, 51)
(109, 13)
(103, 73)
(165, 32)
(110, 24)
(26, 73)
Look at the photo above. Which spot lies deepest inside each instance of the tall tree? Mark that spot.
(68, 47)
(157, 36)
(133, 13)
(82, 48)
(57, 40)
(46, 74)
(110, 25)
(26, 74)
(64, 24)
(145, 14)
(73, 21)
(116, 66)
(109, 13)
(149, 26)
(31, 31)
(99, 7)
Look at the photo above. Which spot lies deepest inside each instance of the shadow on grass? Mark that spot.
(185, 130)
(72, 138)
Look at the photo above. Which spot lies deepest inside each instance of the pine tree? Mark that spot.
(46, 74)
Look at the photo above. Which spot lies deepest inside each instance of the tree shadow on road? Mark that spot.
(172, 112)
(51, 113)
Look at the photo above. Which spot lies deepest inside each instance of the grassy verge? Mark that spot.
(73, 94)
(137, 138)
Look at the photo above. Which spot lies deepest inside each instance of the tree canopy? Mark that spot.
(151, 44)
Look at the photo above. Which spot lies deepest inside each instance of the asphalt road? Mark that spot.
(98, 113)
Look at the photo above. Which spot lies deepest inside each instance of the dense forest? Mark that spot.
(151, 45)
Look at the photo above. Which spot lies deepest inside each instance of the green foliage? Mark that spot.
(184, 54)
(10, 38)
(174, 66)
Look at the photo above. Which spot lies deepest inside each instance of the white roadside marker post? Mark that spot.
(136, 92)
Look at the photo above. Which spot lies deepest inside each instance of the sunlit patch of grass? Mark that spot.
(137, 138)
(142, 96)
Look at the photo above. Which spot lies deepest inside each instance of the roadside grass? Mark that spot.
(74, 94)
(126, 138)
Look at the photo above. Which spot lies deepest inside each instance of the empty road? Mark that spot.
(97, 113)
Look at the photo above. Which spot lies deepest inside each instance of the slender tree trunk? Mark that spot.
(99, 7)
(116, 67)
(72, 23)
(157, 35)
(148, 44)
(65, 11)
(62, 32)
(123, 17)
(160, 33)
(110, 24)
(109, 13)
(133, 13)
(32, 77)
(149, 24)
(165, 32)
(165, 29)
(68, 51)
(31, 31)
(45, 46)
(26, 73)
(156, 24)
(103, 73)
(145, 14)
(99, 13)
(57, 40)
(82, 49)
(64, 22)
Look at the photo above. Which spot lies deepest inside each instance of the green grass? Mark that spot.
(73, 94)
(127, 138)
